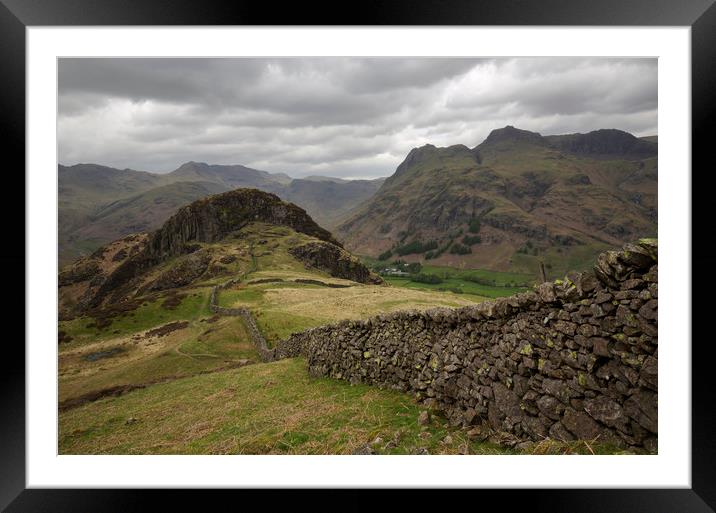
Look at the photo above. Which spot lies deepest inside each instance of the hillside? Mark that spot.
(142, 212)
(329, 200)
(191, 246)
(514, 199)
(154, 324)
(136, 317)
(99, 204)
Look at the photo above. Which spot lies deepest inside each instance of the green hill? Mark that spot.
(139, 341)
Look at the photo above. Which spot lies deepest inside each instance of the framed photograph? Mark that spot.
(415, 247)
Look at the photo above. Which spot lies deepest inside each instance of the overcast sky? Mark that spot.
(344, 117)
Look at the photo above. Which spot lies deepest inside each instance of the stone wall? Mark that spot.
(266, 354)
(574, 359)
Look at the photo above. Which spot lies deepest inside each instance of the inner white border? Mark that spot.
(671, 468)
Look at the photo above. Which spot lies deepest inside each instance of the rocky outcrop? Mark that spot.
(574, 359)
(206, 220)
(605, 142)
(83, 270)
(212, 218)
(335, 261)
(187, 269)
(510, 134)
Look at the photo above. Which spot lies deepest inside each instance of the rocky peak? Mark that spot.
(512, 134)
(430, 152)
(212, 218)
(192, 166)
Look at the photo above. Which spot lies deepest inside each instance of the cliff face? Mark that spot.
(335, 261)
(605, 142)
(212, 218)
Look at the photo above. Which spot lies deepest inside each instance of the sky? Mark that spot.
(344, 117)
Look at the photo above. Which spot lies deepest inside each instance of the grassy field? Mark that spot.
(560, 260)
(454, 285)
(455, 280)
(284, 308)
(270, 408)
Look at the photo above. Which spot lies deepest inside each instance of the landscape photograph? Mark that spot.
(357, 256)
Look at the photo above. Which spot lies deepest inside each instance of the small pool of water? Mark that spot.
(93, 357)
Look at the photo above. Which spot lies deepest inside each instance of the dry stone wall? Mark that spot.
(574, 359)
(265, 353)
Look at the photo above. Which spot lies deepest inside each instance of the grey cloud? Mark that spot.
(334, 116)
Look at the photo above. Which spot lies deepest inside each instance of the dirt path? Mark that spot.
(194, 355)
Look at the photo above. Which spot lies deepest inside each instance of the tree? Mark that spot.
(459, 249)
(385, 255)
(414, 268)
(470, 240)
(474, 225)
(426, 278)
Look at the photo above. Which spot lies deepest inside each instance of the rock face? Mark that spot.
(606, 142)
(335, 261)
(84, 269)
(189, 268)
(212, 218)
(574, 359)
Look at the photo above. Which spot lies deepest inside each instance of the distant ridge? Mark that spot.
(98, 204)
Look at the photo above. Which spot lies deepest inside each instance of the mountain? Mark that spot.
(231, 177)
(98, 204)
(213, 237)
(142, 212)
(329, 199)
(83, 189)
(514, 199)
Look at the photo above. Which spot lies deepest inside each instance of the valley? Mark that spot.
(99, 204)
(150, 362)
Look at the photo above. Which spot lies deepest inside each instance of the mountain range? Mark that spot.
(508, 203)
(511, 201)
(99, 204)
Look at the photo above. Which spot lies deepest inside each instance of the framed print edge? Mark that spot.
(702, 496)
(12, 378)
(703, 114)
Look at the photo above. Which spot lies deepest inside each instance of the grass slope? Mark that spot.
(126, 350)
(202, 389)
(273, 408)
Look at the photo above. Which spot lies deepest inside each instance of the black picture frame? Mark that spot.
(700, 15)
